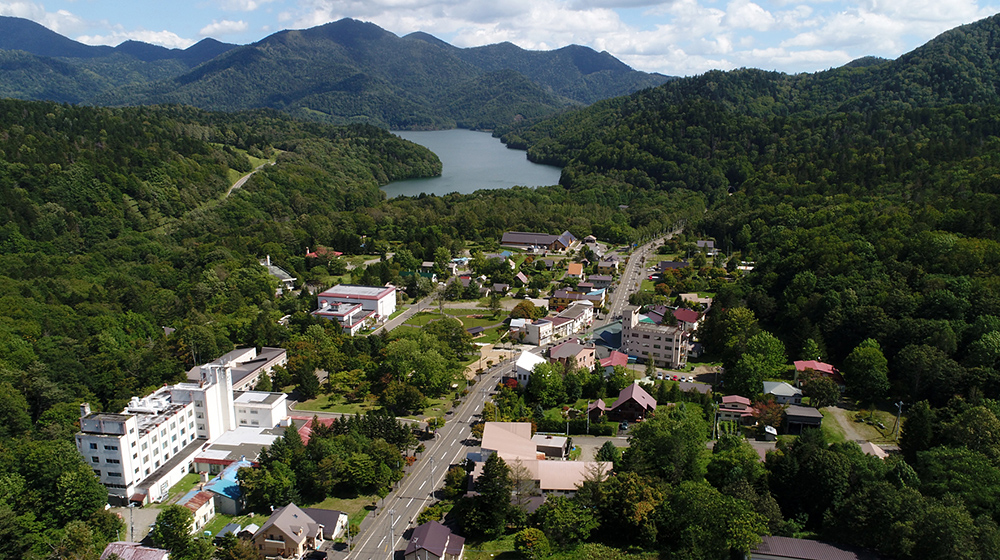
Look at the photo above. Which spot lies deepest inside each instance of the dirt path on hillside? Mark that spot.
(850, 432)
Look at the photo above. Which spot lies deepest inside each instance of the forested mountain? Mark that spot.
(867, 199)
(353, 71)
(341, 72)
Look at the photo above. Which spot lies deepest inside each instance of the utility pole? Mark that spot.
(432, 476)
(899, 413)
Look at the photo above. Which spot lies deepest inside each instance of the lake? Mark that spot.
(471, 161)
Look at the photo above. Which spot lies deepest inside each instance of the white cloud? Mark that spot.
(743, 14)
(224, 27)
(167, 39)
(60, 21)
(242, 5)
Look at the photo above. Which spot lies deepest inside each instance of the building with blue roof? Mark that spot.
(226, 489)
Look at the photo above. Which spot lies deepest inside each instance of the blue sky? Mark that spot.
(676, 37)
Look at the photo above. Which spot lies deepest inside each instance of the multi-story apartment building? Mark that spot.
(643, 339)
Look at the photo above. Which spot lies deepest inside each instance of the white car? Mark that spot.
(690, 379)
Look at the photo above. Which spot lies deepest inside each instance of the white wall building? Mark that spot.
(256, 408)
(140, 453)
(341, 303)
(525, 364)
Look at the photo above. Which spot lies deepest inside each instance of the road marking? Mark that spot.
(409, 502)
(454, 441)
(380, 542)
(422, 484)
(394, 521)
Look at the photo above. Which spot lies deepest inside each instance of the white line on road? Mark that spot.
(422, 484)
(409, 502)
(379, 545)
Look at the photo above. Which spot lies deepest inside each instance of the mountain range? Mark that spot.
(345, 71)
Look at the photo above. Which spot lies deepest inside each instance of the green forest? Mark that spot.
(864, 197)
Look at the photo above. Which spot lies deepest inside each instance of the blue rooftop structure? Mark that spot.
(227, 488)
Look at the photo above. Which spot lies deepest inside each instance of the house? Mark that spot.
(571, 350)
(133, 551)
(225, 489)
(735, 408)
(601, 281)
(513, 442)
(596, 410)
(524, 365)
(672, 265)
(813, 367)
(201, 503)
(590, 239)
(783, 392)
(615, 358)
(554, 447)
(787, 548)
(687, 319)
(574, 270)
(376, 302)
(562, 298)
(607, 266)
(475, 331)
(333, 522)
(543, 241)
(643, 339)
(521, 278)
(286, 282)
(434, 541)
(798, 418)
(704, 302)
(869, 448)
(501, 289)
(231, 529)
(289, 532)
(538, 332)
(708, 246)
(633, 403)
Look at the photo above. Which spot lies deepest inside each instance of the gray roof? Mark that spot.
(781, 389)
(634, 391)
(291, 520)
(803, 412)
(436, 539)
(804, 549)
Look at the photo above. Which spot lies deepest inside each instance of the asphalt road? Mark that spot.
(401, 507)
(631, 279)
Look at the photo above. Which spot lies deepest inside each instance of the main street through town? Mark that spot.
(383, 536)
(399, 510)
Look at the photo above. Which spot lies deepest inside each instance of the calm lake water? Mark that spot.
(471, 161)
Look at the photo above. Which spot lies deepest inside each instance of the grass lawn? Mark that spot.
(422, 319)
(491, 336)
(405, 329)
(872, 432)
(831, 428)
(335, 403)
(398, 312)
(487, 321)
(355, 508)
(220, 521)
(185, 485)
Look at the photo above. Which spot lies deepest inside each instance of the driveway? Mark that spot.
(850, 431)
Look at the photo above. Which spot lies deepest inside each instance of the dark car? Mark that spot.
(317, 555)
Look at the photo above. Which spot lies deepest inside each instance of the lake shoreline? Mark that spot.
(471, 160)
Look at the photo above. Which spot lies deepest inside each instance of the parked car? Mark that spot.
(690, 379)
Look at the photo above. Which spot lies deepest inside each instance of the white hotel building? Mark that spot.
(140, 453)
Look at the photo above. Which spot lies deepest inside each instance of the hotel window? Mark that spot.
(93, 446)
(111, 447)
(95, 459)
